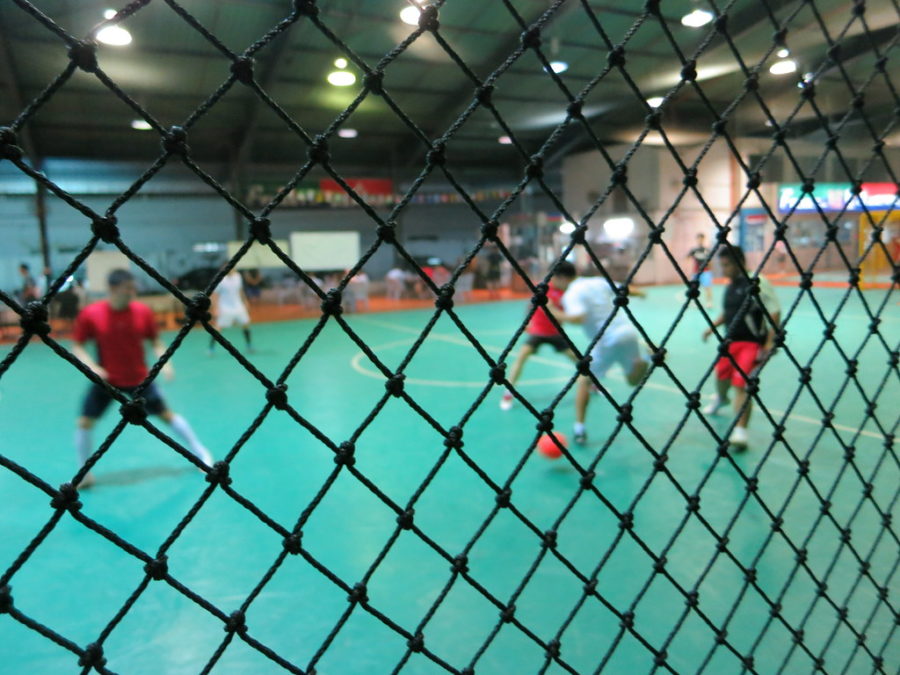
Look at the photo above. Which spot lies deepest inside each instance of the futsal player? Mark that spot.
(750, 334)
(589, 301)
(702, 273)
(541, 331)
(229, 307)
(118, 326)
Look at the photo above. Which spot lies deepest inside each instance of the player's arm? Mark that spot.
(715, 324)
(159, 349)
(83, 355)
(636, 291)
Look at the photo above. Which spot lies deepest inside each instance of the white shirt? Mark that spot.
(229, 292)
(594, 298)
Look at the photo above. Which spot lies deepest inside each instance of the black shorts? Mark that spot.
(97, 400)
(558, 342)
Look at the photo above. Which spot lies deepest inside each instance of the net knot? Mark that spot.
(531, 38)
(218, 474)
(881, 64)
(806, 280)
(619, 175)
(859, 7)
(374, 82)
(590, 587)
(539, 298)
(460, 564)
(721, 636)
(779, 136)
(503, 497)
(106, 228)
(331, 305)
(318, 151)
(575, 109)
(656, 234)
(587, 480)
(719, 127)
(405, 519)
(416, 643)
(693, 400)
(752, 82)
(752, 485)
(535, 168)
(236, 623)
(808, 90)
(84, 55)
(579, 234)
(777, 524)
(35, 319)
(693, 289)
(750, 575)
(553, 649)
(693, 503)
(92, 656)
(6, 601)
(621, 299)
(721, 23)
(748, 661)
(428, 18)
(584, 365)
(549, 539)
(659, 659)
(850, 453)
(489, 229)
(445, 297)
(690, 178)
(626, 520)
(803, 468)
(722, 234)
(261, 230)
(484, 94)
(8, 148)
(660, 462)
(498, 373)
(387, 233)
(134, 411)
(175, 141)
(654, 120)
(859, 101)
(624, 415)
(293, 543)
(652, 7)
(306, 7)
(627, 620)
(722, 544)
(545, 423)
(158, 568)
(616, 57)
(394, 384)
(689, 71)
(781, 232)
(66, 498)
(345, 454)
(454, 438)
(658, 357)
(277, 396)
(242, 69)
(358, 593)
(508, 613)
(437, 155)
(198, 308)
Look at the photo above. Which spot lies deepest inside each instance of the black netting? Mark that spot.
(873, 493)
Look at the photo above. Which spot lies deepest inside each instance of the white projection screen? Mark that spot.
(321, 251)
(258, 256)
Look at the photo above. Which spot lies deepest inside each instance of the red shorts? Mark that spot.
(744, 354)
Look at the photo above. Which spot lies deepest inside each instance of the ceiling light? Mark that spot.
(783, 53)
(783, 67)
(340, 63)
(567, 228)
(141, 125)
(559, 66)
(504, 140)
(348, 133)
(618, 228)
(109, 14)
(697, 18)
(114, 35)
(341, 78)
(410, 15)
(655, 101)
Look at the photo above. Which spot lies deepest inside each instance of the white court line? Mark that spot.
(357, 359)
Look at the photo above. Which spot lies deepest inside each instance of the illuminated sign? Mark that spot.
(832, 197)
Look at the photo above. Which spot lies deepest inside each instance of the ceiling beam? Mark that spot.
(13, 104)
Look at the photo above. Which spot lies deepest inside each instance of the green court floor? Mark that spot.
(76, 581)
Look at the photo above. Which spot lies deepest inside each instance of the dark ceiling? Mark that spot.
(182, 53)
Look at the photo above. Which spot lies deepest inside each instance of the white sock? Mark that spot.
(579, 428)
(183, 429)
(83, 444)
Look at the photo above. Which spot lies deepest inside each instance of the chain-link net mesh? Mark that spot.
(869, 627)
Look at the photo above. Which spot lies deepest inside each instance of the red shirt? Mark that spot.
(120, 339)
(540, 324)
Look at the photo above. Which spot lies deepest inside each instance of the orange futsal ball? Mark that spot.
(550, 448)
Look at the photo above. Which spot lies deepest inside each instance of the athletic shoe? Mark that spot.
(738, 438)
(715, 405)
(638, 370)
(204, 456)
(506, 401)
(580, 438)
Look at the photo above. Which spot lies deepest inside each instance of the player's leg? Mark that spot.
(155, 405)
(724, 370)
(525, 352)
(745, 354)
(96, 400)
(582, 399)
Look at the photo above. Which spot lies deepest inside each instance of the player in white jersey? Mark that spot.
(590, 301)
(229, 307)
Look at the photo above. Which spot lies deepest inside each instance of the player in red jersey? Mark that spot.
(119, 325)
(541, 330)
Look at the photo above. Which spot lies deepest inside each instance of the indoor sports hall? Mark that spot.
(503, 337)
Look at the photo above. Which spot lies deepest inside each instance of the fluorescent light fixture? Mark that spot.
(559, 66)
(784, 67)
(410, 15)
(697, 18)
(348, 133)
(114, 35)
(141, 125)
(341, 78)
(567, 228)
(504, 140)
(783, 53)
(619, 228)
(340, 63)
(109, 13)
(655, 101)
